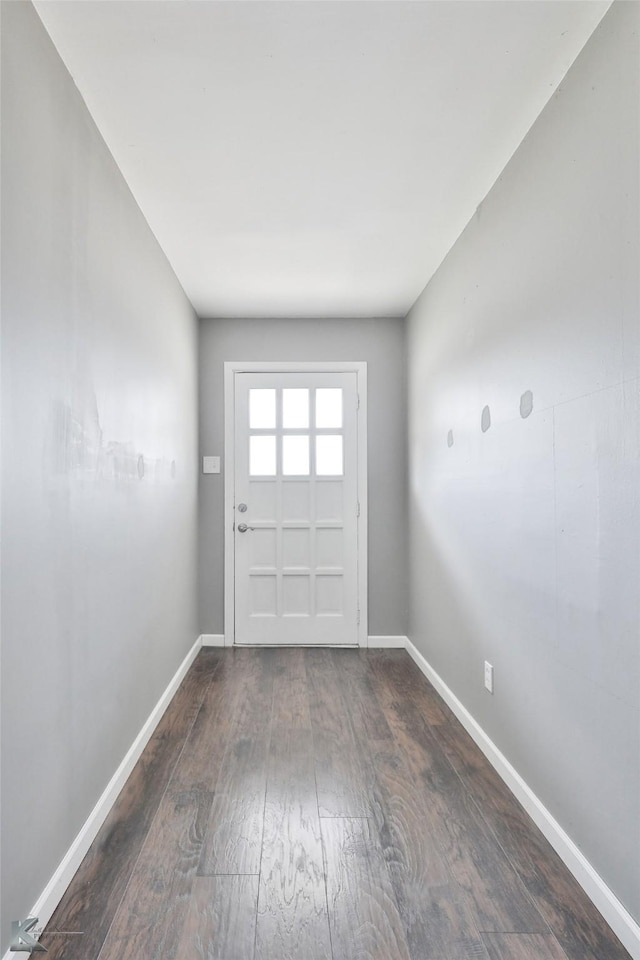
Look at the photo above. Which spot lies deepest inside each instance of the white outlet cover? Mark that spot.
(211, 464)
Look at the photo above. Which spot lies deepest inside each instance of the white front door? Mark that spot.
(296, 508)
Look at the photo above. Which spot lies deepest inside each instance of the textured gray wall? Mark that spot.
(381, 343)
(98, 370)
(525, 539)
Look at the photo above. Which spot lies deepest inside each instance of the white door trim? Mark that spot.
(231, 367)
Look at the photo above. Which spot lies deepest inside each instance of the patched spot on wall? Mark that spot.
(526, 404)
(450, 438)
(485, 421)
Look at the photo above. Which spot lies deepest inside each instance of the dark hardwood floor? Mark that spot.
(319, 805)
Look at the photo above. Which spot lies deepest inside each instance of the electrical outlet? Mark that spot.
(488, 676)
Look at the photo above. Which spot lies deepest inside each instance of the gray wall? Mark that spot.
(381, 343)
(525, 540)
(98, 370)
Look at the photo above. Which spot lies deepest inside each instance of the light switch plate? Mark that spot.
(211, 464)
(488, 676)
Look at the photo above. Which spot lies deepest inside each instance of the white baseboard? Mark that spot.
(613, 911)
(388, 642)
(53, 892)
(212, 639)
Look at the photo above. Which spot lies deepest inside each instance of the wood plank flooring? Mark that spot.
(319, 805)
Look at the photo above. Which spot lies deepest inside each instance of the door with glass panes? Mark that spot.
(296, 508)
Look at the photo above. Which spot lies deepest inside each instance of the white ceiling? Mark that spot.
(313, 158)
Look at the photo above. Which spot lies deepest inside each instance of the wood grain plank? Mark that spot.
(220, 923)
(409, 683)
(288, 661)
(92, 899)
(474, 856)
(234, 834)
(343, 773)
(523, 946)
(153, 910)
(402, 816)
(575, 921)
(444, 927)
(363, 913)
(208, 740)
(292, 911)
(439, 919)
(291, 693)
(367, 715)
(233, 841)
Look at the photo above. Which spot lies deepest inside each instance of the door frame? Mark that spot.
(231, 367)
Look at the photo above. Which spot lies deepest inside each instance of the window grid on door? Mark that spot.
(308, 448)
(297, 434)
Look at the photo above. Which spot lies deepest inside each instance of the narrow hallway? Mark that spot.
(318, 804)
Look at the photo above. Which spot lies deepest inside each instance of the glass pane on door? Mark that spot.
(329, 407)
(295, 408)
(262, 409)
